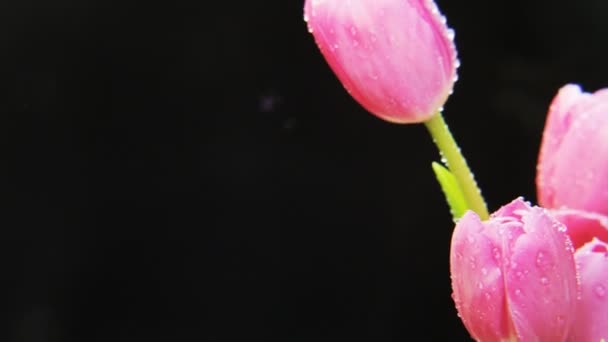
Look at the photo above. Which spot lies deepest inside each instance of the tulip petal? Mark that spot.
(591, 322)
(541, 280)
(557, 124)
(477, 280)
(582, 226)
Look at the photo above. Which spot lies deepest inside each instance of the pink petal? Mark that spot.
(540, 279)
(477, 280)
(591, 323)
(557, 124)
(582, 226)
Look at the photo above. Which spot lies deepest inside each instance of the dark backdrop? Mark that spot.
(194, 172)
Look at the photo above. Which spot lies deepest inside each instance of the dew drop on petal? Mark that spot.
(540, 259)
(600, 291)
(496, 253)
(451, 34)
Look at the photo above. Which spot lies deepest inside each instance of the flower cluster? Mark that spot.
(525, 272)
(548, 299)
(547, 277)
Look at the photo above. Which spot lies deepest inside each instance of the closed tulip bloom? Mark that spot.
(573, 159)
(514, 276)
(591, 319)
(395, 57)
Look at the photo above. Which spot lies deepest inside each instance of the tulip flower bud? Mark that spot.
(573, 159)
(591, 319)
(397, 58)
(514, 276)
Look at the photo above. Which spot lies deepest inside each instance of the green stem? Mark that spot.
(457, 164)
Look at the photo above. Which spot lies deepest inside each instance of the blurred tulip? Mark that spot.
(573, 159)
(397, 58)
(514, 276)
(591, 319)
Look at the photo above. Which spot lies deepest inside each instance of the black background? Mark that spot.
(194, 171)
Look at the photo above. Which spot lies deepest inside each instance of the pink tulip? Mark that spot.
(573, 160)
(397, 58)
(591, 319)
(514, 276)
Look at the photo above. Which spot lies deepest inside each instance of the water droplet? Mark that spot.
(488, 295)
(480, 285)
(471, 239)
(544, 281)
(560, 320)
(517, 292)
(433, 7)
(519, 274)
(540, 259)
(484, 271)
(600, 291)
(450, 34)
(353, 31)
(496, 253)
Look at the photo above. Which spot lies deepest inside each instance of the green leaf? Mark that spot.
(453, 194)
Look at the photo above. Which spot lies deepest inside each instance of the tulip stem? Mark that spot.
(456, 163)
